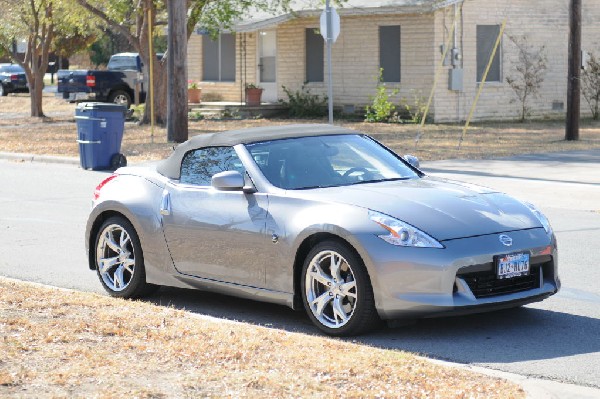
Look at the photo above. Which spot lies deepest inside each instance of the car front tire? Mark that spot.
(3, 92)
(336, 290)
(119, 260)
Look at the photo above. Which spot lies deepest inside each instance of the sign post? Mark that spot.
(330, 29)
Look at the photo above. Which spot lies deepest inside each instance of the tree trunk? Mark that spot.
(177, 96)
(36, 87)
(158, 71)
(37, 54)
(574, 71)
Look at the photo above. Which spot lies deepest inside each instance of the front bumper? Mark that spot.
(459, 279)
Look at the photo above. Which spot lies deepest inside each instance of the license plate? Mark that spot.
(512, 265)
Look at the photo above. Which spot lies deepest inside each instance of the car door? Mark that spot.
(217, 235)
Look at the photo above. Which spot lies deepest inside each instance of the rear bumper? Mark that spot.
(77, 96)
(12, 87)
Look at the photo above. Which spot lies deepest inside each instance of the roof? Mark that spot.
(311, 8)
(171, 167)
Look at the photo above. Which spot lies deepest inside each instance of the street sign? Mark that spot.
(335, 24)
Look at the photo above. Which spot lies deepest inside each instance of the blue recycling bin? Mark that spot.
(99, 134)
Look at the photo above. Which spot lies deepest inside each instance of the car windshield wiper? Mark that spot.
(313, 187)
(379, 180)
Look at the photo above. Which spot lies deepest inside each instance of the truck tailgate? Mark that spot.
(72, 81)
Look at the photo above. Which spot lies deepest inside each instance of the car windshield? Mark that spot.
(11, 69)
(327, 161)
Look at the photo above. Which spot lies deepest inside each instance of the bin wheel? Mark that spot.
(117, 161)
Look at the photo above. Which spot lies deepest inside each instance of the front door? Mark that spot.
(217, 235)
(267, 64)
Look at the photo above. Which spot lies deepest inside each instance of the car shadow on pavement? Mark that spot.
(506, 336)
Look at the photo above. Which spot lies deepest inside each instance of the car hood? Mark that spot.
(442, 208)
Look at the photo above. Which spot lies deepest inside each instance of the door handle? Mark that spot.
(165, 204)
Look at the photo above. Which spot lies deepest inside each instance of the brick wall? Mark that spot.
(545, 23)
(226, 91)
(355, 57)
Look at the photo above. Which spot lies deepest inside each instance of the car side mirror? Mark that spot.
(412, 160)
(232, 181)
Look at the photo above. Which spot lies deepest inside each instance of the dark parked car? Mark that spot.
(319, 217)
(12, 79)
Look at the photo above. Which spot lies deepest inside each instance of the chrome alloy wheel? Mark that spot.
(330, 289)
(115, 257)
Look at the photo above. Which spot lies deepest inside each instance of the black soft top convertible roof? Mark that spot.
(171, 167)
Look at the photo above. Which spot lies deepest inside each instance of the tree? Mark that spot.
(39, 23)
(590, 82)
(33, 21)
(529, 73)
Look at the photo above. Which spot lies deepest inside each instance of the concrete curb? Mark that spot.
(535, 388)
(21, 157)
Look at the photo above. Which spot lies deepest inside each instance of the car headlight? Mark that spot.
(540, 216)
(403, 234)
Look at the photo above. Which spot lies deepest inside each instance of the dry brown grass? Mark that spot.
(60, 343)
(56, 134)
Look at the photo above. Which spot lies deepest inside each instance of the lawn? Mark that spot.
(57, 134)
(62, 343)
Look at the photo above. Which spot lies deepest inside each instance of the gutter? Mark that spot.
(250, 26)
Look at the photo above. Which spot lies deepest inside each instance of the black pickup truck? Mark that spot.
(115, 85)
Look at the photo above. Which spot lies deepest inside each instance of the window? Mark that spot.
(389, 52)
(218, 58)
(486, 39)
(314, 55)
(199, 166)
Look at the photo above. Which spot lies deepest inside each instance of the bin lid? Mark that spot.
(104, 107)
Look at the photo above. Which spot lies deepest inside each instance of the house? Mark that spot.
(406, 38)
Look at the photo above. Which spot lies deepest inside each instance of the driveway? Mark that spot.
(45, 205)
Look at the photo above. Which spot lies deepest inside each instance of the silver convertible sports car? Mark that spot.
(320, 217)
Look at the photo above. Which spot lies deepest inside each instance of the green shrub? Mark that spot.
(415, 109)
(303, 104)
(381, 108)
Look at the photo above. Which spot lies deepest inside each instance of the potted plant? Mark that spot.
(194, 92)
(253, 94)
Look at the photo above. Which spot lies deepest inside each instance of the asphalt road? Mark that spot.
(42, 220)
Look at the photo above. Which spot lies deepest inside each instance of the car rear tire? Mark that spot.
(120, 97)
(336, 290)
(3, 92)
(120, 261)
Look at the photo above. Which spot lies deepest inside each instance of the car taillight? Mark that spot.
(90, 81)
(101, 185)
(14, 77)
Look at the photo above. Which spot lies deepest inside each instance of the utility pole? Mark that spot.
(177, 97)
(574, 82)
(329, 42)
